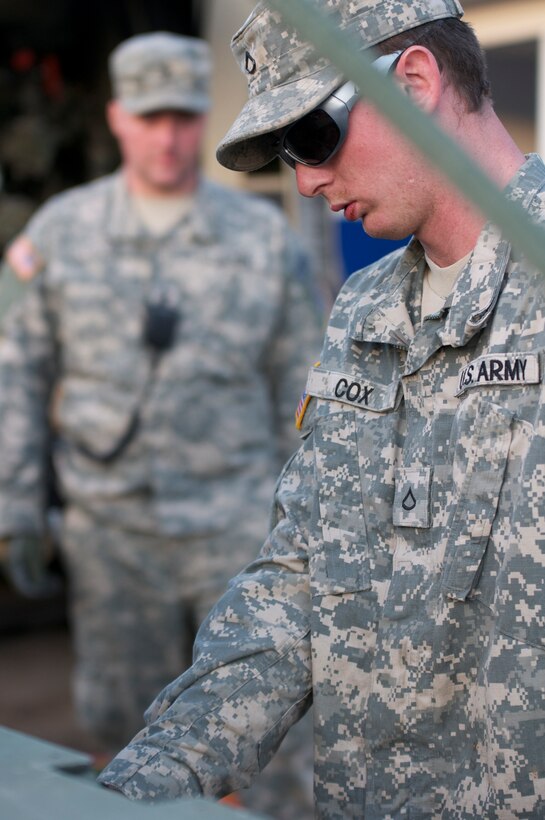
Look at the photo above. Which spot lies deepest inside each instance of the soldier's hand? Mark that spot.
(23, 561)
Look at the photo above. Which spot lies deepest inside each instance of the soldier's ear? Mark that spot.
(112, 116)
(420, 77)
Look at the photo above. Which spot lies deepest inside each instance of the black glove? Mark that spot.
(24, 564)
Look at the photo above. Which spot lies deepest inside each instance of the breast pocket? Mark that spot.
(481, 438)
(340, 561)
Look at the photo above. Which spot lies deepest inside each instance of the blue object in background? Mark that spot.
(358, 250)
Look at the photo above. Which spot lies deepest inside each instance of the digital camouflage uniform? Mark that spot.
(401, 588)
(163, 525)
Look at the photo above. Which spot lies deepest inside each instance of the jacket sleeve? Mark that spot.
(295, 343)
(214, 728)
(27, 365)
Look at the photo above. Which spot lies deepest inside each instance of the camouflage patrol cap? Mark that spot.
(161, 71)
(287, 78)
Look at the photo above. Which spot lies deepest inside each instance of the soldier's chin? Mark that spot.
(173, 181)
(384, 231)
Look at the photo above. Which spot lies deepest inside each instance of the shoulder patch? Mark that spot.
(303, 404)
(24, 259)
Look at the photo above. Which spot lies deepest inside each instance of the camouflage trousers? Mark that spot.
(136, 602)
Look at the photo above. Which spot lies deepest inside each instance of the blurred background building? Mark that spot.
(53, 88)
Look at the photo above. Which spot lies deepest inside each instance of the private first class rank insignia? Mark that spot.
(501, 369)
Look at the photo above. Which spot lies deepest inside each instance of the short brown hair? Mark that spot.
(458, 53)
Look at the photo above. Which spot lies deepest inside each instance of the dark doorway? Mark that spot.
(53, 89)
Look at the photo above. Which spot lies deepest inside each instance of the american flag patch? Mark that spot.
(303, 404)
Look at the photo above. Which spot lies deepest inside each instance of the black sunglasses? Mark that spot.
(317, 136)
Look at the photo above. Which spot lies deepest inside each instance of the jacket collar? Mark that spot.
(382, 314)
(124, 225)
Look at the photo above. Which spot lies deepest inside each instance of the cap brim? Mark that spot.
(166, 102)
(250, 142)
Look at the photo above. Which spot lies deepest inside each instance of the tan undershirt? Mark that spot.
(160, 214)
(438, 283)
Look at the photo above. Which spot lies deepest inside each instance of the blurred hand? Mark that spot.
(23, 561)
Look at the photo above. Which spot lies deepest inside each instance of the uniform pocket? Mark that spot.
(481, 438)
(340, 562)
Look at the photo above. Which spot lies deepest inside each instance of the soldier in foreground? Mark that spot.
(164, 337)
(401, 587)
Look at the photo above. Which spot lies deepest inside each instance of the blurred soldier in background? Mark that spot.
(401, 588)
(163, 340)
